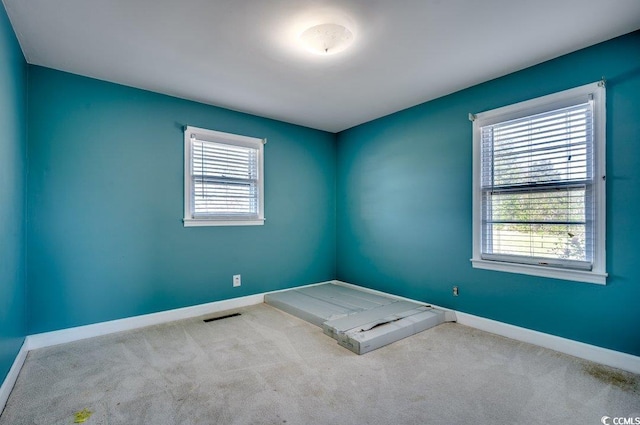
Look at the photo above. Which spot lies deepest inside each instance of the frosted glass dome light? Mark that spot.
(326, 39)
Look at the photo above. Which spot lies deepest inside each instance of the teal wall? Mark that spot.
(105, 233)
(386, 204)
(13, 145)
(404, 204)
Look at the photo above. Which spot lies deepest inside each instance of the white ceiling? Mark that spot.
(244, 54)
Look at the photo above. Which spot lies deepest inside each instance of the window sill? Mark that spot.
(551, 272)
(190, 222)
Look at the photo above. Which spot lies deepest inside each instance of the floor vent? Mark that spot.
(213, 319)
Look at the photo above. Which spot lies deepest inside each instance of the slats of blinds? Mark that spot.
(550, 147)
(224, 179)
(536, 184)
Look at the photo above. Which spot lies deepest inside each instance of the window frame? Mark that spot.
(230, 139)
(595, 92)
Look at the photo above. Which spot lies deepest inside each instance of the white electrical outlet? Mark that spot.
(237, 281)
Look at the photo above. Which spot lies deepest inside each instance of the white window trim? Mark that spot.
(229, 138)
(598, 274)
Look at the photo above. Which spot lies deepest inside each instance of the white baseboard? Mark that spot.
(584, 351)
(48, 339)
(62, 336)
(581, 350)
(299, 287)
(12, 376)
(600, 355)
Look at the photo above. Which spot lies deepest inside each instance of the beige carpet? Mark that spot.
(267, 367)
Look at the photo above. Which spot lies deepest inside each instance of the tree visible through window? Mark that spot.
(538, 173)
(538, 191)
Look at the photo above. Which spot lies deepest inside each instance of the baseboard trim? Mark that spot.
(578, 349)
(48, 339)
(12, 376)
(298, 287)
(581, 350)
(62, 336)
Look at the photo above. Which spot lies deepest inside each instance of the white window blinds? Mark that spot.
(223, 178)
(537, 188)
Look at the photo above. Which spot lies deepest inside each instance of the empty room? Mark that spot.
(319, 212)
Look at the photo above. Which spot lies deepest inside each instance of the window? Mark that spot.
(539, 186)
(223, 181)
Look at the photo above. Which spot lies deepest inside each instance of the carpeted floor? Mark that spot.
(267, 367)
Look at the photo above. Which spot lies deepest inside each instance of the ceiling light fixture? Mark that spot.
(326, 39)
